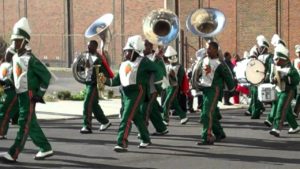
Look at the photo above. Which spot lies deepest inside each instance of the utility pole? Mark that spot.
(68, 31)
(122, 22)
(25, 8)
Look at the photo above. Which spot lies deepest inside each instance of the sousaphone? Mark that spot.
(205, 23)
(99, 27)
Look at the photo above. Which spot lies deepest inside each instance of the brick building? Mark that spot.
(49, 22)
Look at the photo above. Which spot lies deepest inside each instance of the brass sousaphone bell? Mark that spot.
(98, 27)
(161, 26)
(206, 22)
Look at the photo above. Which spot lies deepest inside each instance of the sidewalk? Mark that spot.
(73, 109)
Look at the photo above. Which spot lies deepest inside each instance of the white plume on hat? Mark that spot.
(170, 52)
(246, 54)
(297, 48)
(21, 30)
(277, 40)
(253, 51)
(281, 51)
(135, 43)
(262, 41)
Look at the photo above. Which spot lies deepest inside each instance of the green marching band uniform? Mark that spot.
(31, 80)
(212, 83)
(175, 74)
(151, 107)
(133, 78)
(8, 105)
(92, 97)
(296, 64)
(256, 107)
(275, 41)
(286, 78)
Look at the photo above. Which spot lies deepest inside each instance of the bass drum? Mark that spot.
(255, 72)
(78, 68)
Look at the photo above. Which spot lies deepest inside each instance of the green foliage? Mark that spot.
(50, 98)
(78, 96)
(64, 95)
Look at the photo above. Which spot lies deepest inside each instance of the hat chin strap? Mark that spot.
(21, 46)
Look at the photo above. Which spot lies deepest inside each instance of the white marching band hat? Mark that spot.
(170, 52)
(246, 55)
(297, 48)
(262, 41)
(21, 30)
(281, 52)
(253, 51)
(135, 43)
(276, 40)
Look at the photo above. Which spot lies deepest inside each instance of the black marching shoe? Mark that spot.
(144, 145)
(42, 155)
(247, 113)
(275, 132)
(220, 137)
(268, 123)
(7, 158)
(103, 127)
(120, 149)
(85, 130)
(160, 133)
(205, 143)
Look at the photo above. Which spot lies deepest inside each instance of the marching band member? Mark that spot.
(286, 78)
(151, 107)
(227, 94)
(255, 105)
(133, 77)
(31, 80)
(9, 107)
(296, 64)
(214, 74)
(175, 74)
(91, 99)
(275, 41)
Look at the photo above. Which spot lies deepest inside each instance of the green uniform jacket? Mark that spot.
(292, 78)
(102, 69)
(222, 74)
(145, 68)
(29, 73)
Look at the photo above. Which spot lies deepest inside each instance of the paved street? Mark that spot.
(247, 146)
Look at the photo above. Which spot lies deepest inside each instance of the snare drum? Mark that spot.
(267, 92)
(255, 72)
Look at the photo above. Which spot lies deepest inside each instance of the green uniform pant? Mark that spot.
(28, 126)
(7, 110)
(210, 114)
(271, 115)
(133, 101)
(171, 100)
(255, 106)
(151, 111)
(91, 105)
(282, 109)
(297, 106)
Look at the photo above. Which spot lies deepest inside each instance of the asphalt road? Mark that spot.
(248, 146)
